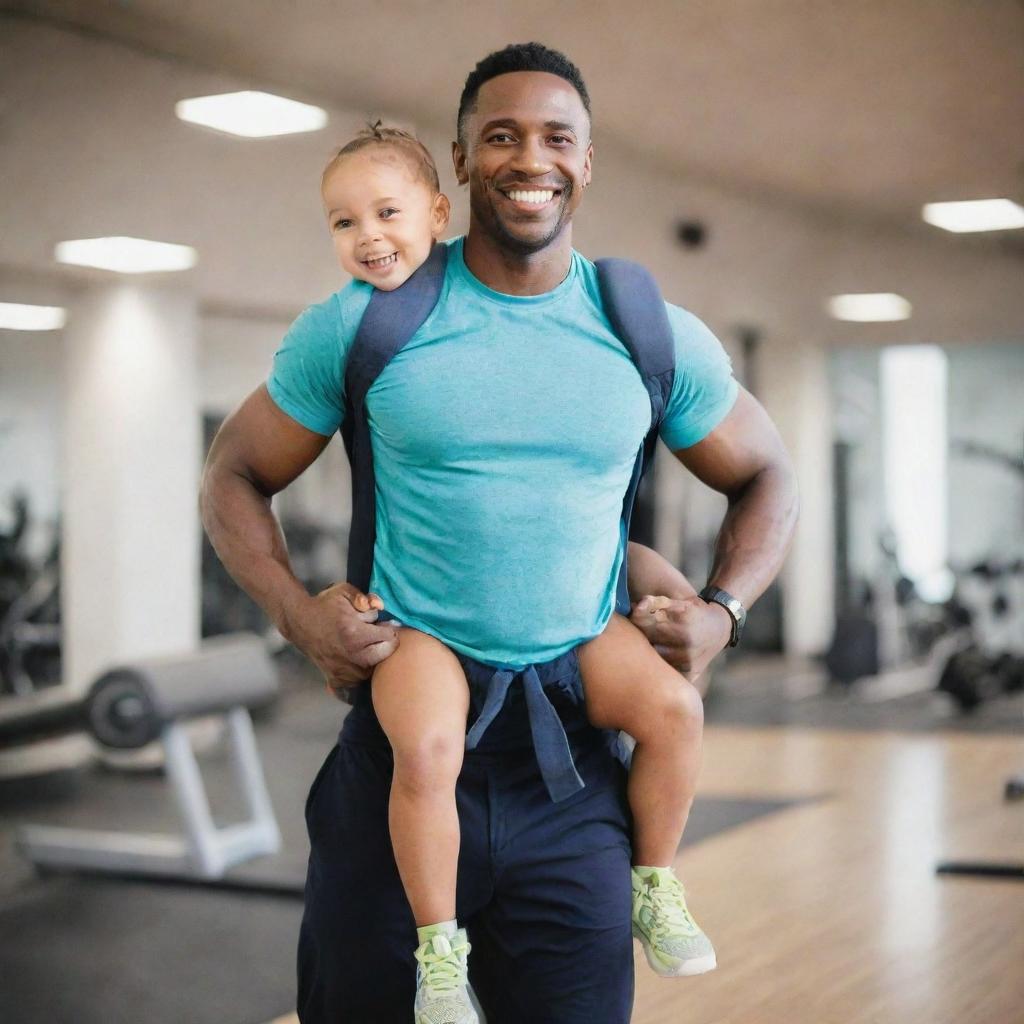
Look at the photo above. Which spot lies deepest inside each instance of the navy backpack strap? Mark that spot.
(388, 324)
(633, 304)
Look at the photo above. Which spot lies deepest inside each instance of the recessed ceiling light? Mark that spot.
(252, 115)
(126, 255)
(975, 215)
(869, 307)
(15, 316)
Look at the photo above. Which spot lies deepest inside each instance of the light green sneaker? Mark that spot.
(441, 993)
(673, 942)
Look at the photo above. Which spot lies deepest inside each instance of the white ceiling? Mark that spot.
(804, 135)
(869, 108)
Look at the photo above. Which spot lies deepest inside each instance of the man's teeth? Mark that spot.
(383, 261)
(532, 196)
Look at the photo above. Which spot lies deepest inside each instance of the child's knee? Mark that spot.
(429, 762)
(674, 706)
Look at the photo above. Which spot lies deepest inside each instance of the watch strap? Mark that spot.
(738, 614)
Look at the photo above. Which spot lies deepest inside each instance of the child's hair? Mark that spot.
(379, 134)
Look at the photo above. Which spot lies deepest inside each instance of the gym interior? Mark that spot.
(804, 177)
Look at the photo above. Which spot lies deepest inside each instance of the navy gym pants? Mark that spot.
(544, 887)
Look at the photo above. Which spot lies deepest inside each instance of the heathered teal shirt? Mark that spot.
(504, 437)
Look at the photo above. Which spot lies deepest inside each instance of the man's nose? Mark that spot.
(531, 158)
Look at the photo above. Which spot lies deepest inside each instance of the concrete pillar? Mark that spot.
(796, 393)
(132, 453)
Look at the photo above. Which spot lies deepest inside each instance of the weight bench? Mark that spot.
(151, 700)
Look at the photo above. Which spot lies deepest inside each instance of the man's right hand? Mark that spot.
(337, 630)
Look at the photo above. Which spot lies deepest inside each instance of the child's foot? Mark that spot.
(441, 993)
(673, 942)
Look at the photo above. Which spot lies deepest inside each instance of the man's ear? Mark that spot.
(588, 166)
(440, 215)
(459, 161)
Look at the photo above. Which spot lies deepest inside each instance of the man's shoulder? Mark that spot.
(685, 325)
(681, 319)
(688, 328)
(695, 343)
(340, 312)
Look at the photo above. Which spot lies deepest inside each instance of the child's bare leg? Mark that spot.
(421, 697)
(628, 686)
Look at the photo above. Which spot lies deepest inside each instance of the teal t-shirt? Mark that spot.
(504, 436)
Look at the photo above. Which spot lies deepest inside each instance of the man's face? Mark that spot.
(526, 158)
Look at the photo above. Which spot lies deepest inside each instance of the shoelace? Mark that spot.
(443, 969)
(664, 897)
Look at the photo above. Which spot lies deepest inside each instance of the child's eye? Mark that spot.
(343, 223)
(388, 212)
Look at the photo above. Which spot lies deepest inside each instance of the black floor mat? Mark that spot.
(94, 951)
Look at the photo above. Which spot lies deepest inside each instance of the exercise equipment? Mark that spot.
(990, 600)
(991, 666)
(29, 608)
(853, 652)
(885, 627)
(152, 700)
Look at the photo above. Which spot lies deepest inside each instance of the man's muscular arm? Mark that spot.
(257, 452)
(744, 459)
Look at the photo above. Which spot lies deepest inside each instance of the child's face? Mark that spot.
(382, 216)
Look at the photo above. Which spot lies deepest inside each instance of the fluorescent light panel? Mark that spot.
(251, 115)
(16, 316)
(975, 215)
(870, 307)
(126, 255)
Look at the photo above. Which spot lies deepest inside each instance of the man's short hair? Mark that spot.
(517, 57)
(380, 134)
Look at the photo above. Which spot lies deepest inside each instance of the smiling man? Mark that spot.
(526, 174)
(503, 435)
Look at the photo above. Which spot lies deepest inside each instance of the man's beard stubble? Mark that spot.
(510, 243)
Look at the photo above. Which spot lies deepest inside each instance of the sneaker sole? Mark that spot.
(420, 1019)
(686, 969)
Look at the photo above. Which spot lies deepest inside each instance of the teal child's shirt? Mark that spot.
(504, 437)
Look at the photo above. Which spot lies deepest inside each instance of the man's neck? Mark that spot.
(515, 273)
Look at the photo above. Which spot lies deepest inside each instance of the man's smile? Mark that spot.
(530, 197)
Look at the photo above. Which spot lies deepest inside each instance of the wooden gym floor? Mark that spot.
(830, 912)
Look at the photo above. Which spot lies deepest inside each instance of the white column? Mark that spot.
(797, 396)
(132, 451)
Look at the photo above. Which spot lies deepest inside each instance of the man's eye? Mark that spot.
(499, 137)
(560, 139)
(388, 212)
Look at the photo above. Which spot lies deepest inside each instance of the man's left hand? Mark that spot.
(686, 632)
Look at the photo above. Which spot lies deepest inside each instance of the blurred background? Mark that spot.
(805, 176)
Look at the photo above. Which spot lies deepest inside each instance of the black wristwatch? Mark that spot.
(736, 611)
